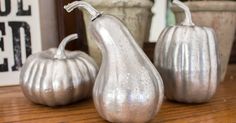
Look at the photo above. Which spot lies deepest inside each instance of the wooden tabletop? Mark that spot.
(14, 107)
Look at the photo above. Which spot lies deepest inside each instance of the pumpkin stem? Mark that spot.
(188, 19)
(60, 54)
(80, 4)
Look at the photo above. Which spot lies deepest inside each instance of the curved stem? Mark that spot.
(188, 19)
(80, 4)
(60, 54)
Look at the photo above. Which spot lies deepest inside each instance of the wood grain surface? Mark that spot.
(14, 107)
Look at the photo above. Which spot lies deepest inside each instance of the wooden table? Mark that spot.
(14, 107)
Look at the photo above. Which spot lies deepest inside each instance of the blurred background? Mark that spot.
(159, 16)
(31, 26)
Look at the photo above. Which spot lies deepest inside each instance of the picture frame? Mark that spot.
(26, 27)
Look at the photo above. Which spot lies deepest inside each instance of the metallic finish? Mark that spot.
(57, 77)
(92, 11)
(188, 60)
(128, 88)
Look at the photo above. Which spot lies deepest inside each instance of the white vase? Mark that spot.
(221, 16)
(135, 14)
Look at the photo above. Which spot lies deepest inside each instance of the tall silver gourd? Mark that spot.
(128, 88)
(187, 58)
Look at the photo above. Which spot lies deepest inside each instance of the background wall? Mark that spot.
(233, 53)
(159, 19)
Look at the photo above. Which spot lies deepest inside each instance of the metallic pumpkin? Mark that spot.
(57, 77)
(128, 87)
(188, 60)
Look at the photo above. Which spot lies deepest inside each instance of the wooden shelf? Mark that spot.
(14, 107)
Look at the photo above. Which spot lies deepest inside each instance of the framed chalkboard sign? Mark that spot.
(26, 27)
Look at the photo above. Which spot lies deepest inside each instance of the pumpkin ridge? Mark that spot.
(26, 79)
(70, 85)
(168, 34)
(172, 59)
(54, 75)
(211, 89)
(82, 80)
(49, 82)
(35, 80)
(160, 62)
(89, 81)
(159, 45)
(75, 79)
(209, 63)
(27, 71)
(40, 82)
(32, 82)
(90, 69)
(167, 56)
(80, 64)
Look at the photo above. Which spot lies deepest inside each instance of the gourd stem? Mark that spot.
(80, 4)
(188, 19)
(60, 54)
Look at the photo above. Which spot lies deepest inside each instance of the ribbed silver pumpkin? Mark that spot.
(57, 77)
(128, 88)
(188, 60)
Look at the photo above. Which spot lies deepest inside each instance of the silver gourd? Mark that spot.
(187, 58)
(58, 77)
(128, 88)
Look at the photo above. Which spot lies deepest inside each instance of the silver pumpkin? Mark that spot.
(188, 60)
(128, 88)
(57, 77)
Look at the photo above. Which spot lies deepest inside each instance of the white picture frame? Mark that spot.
(158, 19)
(26, 27)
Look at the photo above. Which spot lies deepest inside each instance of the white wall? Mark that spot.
(159, 19)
